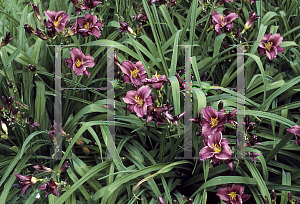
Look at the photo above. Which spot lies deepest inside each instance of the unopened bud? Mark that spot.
(175, 202)
(1, 108)
(184, 198)
(220, 106)
(297, 201)
(266, 200)
(154, 98)
(4, 127)
(14, 111)
(11, 84)
(273, 195)
(290, 197)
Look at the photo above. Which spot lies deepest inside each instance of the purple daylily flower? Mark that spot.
(212, 121)
(89, 25)
(221, 22)
(252, 18)
(90, 4)
(296, 131)
(216, 147)
(59, 19)
(41, 168)
(156, 81)
(124, 27)
(64, 167)
(249, 126)
(32, 123)
(74, 29)
(139, 100)
(8, 101)
(24, 182)
(37, 12)
(50, 187)
(173, 119)
(78, 4)
(78, 61)
(134, 73)
(270, 45)
(180, 81)
(6, 40)
(233, 195)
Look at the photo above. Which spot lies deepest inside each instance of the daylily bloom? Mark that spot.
(90, 4)
(78, 4)
(161, 200)
(40, 34)
(139, 100)
(270, 45)
(59, 19)
(24, 182)
(220, 2)
(134, 73)
(6, 40)
(50, 29)
(124, 27)
(216, 147)
(296, 131)
(32, 123)
(50, 187)
(8, 101)
(221, 22)
(250, 21)
(89, 25)
(28, 28)
(41, 168)
(212, 121)
(156, 81)
(37, 12)
(78, 61)
(233, 195)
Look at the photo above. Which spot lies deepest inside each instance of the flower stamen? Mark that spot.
(269, 45)
(232, 195)
(57, 22)
(217, 148)
(139, 100)
(134, 73)
(79, 62)
(214, 122)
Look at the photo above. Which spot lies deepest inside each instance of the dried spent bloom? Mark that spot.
(156, 81)
(197, 120)
(90, 4)
(28, 28)
(216, 147)
(233, 195)
(139, 100)
(37, 13)
(79, 62)
(270, 45)
(32, 123)
(64, 167)
(221, 22)
(8, 101)
(41, 168)
(173, 119)
(56, 128)
(89, 25)
(273, 196)
(50, 29)
(180, 81)
(124, 27)
(230, 117)
(6, 40)
(296, 131)
(59, 19)
(212, 121)
(252, 18)
(249, 126)
(254, 155)
(50, 187)
(40, 34)
(134, 73)
(24, 182)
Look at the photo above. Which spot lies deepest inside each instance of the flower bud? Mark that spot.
(1, 108)
(11, 84)
(4, 127)
(297, 201)
(273, 195)
(154, 98)
(32, 68)
(64, 167)
(23, 115)
(220, 105)
(175, 202)
(184, 198)
(290, 197)
(14, 111)
(28, 28)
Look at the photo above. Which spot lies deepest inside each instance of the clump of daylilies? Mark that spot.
(141, 101)
(48, 185)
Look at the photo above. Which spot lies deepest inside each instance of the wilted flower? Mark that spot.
(250, 21)
(50, 187)
(296, 131)
(89, 25)
(134, 73)
(221, 22)
(212, 121)
(90, 4)
(28, 28)
(273, 196)
(124, 27)
(173, 119)
(156, 81)
(24, 182)
(197, 120)
(142, 16)
(40, 34)
(220, 2)
(56, 128)
(230, 117)
(59, 19)
(154, 113)
(138, 100)
(32, 123)
(216, 147)
(74, 29)
(180, 81)
(233, 195)
(252, 141)
(249, 126)
(37, 12)
(6, 40)
(50, 29)
(64, 167)
(79, 62)
(41, 168)
(161, 200)
(254, 155)
(8, 101)
(270, 45)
